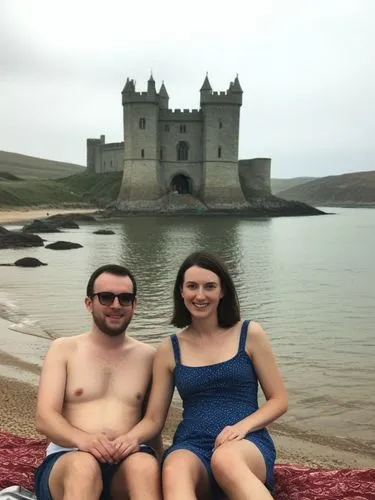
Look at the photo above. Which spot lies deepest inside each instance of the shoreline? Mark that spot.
(19, 216)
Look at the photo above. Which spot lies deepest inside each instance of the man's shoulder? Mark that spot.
(68, 343)
(143, 348)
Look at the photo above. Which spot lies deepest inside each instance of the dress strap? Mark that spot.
(243, 334)
(176, 349)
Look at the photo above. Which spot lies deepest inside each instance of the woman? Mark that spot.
(216, 360)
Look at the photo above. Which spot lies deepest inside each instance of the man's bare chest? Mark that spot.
(122, 379)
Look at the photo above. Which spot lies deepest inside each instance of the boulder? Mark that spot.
(41, 226)
(58, 218)
(69, 224)
(29, 262)
(16, 239)
(63, 245)
(3, 230)
(104, 231)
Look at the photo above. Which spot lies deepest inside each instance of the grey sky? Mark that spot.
(306, 68)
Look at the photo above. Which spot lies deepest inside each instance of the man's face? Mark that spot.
(113, 319)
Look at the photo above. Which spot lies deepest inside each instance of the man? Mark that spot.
(93, 389)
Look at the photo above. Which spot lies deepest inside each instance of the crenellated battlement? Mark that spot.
(180, 115)
(220, 98)
(139, 97)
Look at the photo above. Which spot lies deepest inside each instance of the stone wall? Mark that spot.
(255, 177)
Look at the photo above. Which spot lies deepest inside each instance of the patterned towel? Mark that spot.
(19, 457)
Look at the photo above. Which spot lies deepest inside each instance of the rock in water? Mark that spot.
(40, 226)
(104, 231)
(29, 262)
(15, 239)
(63, 245)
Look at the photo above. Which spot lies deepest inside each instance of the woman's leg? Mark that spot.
(185, 477)
(240, 471)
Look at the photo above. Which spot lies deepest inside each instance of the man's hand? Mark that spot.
(228, 434)
(124, 446)
(100, 446)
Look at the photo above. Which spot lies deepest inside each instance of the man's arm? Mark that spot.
(51, 394)
(49, 414)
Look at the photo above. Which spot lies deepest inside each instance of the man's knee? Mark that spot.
(75, 470)
(140, 464)
(78, 466)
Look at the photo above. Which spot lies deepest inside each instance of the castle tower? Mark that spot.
(221, 120)
(141, 117)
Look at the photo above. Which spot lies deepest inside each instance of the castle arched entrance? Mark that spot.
(182, 184)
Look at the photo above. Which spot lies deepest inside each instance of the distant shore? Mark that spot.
(18, 393)
(20, 215)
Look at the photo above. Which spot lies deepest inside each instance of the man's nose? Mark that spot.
(116, 302)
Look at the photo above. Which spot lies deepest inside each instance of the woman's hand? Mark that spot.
(230, 433)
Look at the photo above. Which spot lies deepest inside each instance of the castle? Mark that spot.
(168, 152)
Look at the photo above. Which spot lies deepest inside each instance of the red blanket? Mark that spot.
(19, 457)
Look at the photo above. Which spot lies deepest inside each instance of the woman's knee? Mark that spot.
(222, 461)
(183, 471)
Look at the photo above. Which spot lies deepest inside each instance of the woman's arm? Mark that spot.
(259, 349)
(158, 404)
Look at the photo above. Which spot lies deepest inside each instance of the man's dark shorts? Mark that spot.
(43, 472)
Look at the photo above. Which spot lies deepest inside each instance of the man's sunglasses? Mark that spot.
(125, 299)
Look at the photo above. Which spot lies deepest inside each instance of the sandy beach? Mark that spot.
(23, 215)
(18, 395)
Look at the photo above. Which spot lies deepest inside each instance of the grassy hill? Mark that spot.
(355, 189)
(30, 167)
(278, 185)
(77, 190)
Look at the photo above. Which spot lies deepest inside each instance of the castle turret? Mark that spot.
(163, 97)
(151, 89)
(221, 119)
(206, 88)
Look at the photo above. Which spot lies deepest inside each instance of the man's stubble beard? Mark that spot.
(107, 330)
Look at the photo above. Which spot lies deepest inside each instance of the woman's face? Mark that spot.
(201, 291)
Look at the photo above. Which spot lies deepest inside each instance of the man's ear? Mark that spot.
(88, 304)
(135, 304)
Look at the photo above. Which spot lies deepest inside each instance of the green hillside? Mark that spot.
(354, 189)
(79, 189)
(30, 167)
(278, 185)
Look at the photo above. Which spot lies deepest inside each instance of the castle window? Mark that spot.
(142, 123)
(161, 152)
(220, 124)
(182, 151)
(142, 153)
(166, 127)
(219, 152)
(182, 129)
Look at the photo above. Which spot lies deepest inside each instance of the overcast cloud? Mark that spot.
(306, 67)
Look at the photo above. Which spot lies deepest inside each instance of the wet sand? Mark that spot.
(23, 215)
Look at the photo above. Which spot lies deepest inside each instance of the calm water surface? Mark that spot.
(310, 281)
